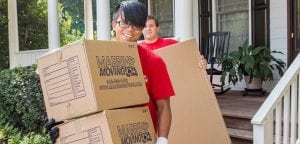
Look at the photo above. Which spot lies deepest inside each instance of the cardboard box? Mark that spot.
(118, 126)
(89, 76)
(196, 116)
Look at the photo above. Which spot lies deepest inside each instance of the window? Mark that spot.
(163, 11)
(233, 16)
(32, 24)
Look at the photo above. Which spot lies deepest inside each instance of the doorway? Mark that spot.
(294, 30)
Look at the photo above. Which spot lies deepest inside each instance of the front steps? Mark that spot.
(237, 112)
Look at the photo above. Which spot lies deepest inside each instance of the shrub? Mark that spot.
(21, 99)
(31, 138)
(11, 135)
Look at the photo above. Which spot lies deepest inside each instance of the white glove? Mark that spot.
(161, 140)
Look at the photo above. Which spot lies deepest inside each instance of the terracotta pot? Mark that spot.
(256, 83)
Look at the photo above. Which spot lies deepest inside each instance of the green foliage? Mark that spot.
(74, 9)
(7, 131)
(67, 34)
(21, 99)
(33, 24)
(11, 135)
(4, 59)
(251, 61)
(113, 4)
(33, 138)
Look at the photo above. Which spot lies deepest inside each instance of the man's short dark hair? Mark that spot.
(150, 17)
(134, 12)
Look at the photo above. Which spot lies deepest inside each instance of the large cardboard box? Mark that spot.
(89, 76)
(197, 118)
(118, 126)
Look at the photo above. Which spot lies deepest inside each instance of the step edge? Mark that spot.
(233, 133)
(236, 116)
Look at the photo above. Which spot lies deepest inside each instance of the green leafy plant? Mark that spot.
(33, 138)
(256, 62)
(6, 131)
(21, 98)
(11, 135)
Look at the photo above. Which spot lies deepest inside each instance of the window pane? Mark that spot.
(33, 24)
(259, 24)
(163, 11)
(232, 16)
(4, 59)
(71, 20)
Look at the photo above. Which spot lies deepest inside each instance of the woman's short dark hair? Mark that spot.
(134, 12)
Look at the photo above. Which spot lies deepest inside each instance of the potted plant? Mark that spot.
(254, 63)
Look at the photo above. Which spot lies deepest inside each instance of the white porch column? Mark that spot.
(103, 20)
(183, 19)
(88, 19)
(53, 25)
(13, 34)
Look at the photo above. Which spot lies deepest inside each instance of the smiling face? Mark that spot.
(129, 33)
(151, 30)
(129, 19)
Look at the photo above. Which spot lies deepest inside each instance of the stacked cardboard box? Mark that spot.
(95, 79)
(118, 126)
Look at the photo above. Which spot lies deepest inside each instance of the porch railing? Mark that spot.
(277, 121)
(25, 58)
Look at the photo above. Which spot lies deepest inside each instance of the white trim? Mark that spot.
(184, 19)
(250, 22)
(88, 19)
(103, 20)
(53, 25)
(13, 34)
(195, 21)
(149, 7)
(214, 15)
(174, 18)
(34, 51)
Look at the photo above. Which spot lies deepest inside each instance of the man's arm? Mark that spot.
(164, 117)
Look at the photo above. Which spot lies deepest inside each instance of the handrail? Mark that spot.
(25, 58)
(277, 92)
(34, 51)
(281, 107)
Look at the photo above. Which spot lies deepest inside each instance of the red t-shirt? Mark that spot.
(157, 79)
(161, 42)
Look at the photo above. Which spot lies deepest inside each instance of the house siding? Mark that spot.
(278, 34)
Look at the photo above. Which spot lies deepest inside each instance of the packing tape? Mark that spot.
(77, 126)
(59, 57)
(69, 111)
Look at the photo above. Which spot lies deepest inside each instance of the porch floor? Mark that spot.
(233, 103)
